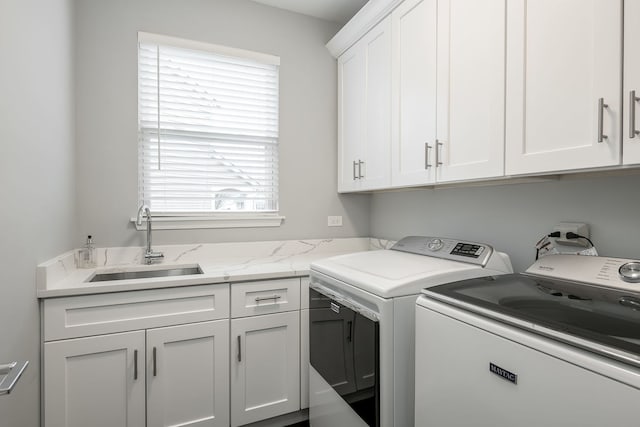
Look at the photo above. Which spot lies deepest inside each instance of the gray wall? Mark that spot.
(106, 123)
(513, 217)
(36, 172)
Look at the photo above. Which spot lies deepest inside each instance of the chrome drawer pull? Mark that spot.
(275, 298)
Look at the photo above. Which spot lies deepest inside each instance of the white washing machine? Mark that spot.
(361, 326)
(558, 345)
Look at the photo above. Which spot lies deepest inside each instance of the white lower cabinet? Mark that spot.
(304, 358)
(179, 366)
(100, 381)
(95, 381)
(265, 371)
(187, 375)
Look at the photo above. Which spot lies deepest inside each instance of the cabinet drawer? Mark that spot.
(265, 297)
(81, 316)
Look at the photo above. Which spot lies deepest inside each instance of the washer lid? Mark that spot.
(603, 320)
(391, 273)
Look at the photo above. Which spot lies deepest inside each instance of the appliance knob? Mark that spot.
(630, 272)
(435, 245)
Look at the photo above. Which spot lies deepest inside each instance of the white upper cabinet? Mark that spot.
(564, 62)
(448, 91)
(631, 92)
(364, 82)
(480, 90)
(413, 93)
(471, 89)
(377, 106)
(350, 93)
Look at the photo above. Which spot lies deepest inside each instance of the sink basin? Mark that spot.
(145, 274)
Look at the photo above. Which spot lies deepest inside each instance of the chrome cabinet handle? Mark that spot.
(427, 147)
(13, 371)
(155, 365)
(354, 170)
(360, 163)
(135, 365)
(275, 298)
(601, 107)
(632, 114)
(438, 146)
(239, 350)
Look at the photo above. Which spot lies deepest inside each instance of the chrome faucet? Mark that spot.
(150, 256)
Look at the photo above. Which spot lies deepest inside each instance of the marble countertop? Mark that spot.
(220, 263)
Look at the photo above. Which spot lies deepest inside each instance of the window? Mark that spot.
(207, 128)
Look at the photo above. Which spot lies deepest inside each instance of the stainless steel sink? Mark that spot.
(145, 274)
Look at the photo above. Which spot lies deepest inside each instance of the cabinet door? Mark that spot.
(563, 57)
(413, 93)
(471, 81)
(304, 342)
(631, 93)
(188, 375)
(376, 133)
(350, 99)
(364, 116)
(96, 381)
(304, 359)
(265, 367)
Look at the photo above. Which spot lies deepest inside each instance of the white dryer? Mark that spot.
(361, 325)
(558, 345)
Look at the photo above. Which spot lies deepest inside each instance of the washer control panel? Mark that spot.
(440, 247)
(619, 273)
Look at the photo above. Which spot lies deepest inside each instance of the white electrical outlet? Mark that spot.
(334, 221)
(579, 228)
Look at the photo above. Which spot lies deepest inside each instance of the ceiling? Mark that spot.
(339, 11)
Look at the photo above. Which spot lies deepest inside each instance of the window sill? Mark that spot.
(211, 221)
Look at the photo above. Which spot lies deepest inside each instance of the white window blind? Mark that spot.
(207, 128)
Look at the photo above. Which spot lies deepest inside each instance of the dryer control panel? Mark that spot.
(442, 247)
